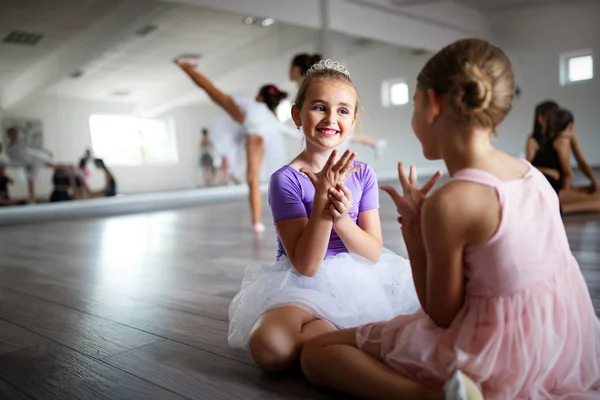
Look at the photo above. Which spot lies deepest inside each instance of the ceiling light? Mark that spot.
(249, 20)
(76, 74)
(267, 22)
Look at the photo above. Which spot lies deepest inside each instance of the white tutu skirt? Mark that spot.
(347, 291)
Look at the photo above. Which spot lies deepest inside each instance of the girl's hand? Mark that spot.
(341, 201)
(409, 204)
(332, 173)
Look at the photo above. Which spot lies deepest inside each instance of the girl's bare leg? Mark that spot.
(334, 360)
(280, 333)
(579, 200)
(254, 156)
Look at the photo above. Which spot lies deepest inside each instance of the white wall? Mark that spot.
(534, 38)
(67, 135)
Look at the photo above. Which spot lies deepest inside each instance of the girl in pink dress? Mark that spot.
(503, 299)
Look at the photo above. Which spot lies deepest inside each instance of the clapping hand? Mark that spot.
(410, 202)
(341, 201)
(333, 173)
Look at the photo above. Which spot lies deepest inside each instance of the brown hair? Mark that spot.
(476, 79)
(322, 75)
(304, 61)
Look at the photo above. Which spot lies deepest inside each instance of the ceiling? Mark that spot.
(132, 69)
(100, 40)
(480, 5)
(56, 20)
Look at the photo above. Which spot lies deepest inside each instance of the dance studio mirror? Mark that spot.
(127, 116)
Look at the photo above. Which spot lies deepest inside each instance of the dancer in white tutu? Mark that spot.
(331, 270)
(265, 148)
(32, 160)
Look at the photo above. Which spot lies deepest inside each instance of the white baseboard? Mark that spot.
(146, 202)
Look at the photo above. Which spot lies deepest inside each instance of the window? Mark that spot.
(576, 66)
(394, 92)
(130, 141)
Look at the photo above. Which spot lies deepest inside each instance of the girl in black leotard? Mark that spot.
(110, 189)
(550, 152)
(63, 182)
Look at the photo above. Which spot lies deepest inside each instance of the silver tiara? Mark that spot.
(328, 64)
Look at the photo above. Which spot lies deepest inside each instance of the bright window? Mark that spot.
(576, 66)
(581, 68)
(130, 141)
(394, 92)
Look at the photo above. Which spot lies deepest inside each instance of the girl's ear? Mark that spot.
(434, 106)
(296, 116)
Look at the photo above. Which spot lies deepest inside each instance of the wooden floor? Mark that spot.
(135, 307)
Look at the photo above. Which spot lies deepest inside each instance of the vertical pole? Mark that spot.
(324, 44)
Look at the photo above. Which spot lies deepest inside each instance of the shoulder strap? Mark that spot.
(477, 176)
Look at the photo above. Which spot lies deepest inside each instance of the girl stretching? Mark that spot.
(330, 272)
(503, 299)
(550, 151)
(264, 140)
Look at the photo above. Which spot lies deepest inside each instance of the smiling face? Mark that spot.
(328, 113)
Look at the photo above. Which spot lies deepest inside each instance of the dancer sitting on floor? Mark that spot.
(503, 299)
(549, 150)
(265, 148)
(331, 271)
(5, 180)
(298, 69)
(110, 185)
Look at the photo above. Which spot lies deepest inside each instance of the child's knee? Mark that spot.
(273, 348)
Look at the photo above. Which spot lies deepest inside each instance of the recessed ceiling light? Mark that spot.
(249, 20)
(121, 93)
(76, 74)
(146, 30)
(267, 21)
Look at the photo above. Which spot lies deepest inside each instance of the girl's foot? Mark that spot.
(258, 227)
(460, 387)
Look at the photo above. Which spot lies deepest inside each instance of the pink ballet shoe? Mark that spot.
(258, 228)
(460, 387)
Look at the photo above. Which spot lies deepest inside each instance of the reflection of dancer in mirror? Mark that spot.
(265, 148)
(5, 180)
(228, 141)
(298, 68)
(31, 159)
(110, 186)
(209, 159)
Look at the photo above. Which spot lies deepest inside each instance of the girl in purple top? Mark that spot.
(331, 270)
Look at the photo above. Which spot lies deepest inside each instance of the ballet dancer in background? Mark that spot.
(265, 147)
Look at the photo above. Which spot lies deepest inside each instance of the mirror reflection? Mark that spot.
(192, 98)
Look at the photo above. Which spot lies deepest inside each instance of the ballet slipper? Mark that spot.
(258, 227)
(460, 387)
